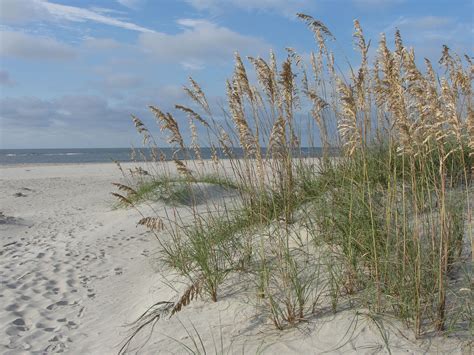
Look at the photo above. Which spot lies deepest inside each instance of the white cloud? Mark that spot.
(200, 42)
(18, 11)
(75, 111)
(106, 11)
(78, 14)
(286, 7)
(427, 34)
(5, 79)
(164, 96)
(82, 111)
(81, 120)
(25, 46)
(376, 4)
(14, 11)
(131, 4)
(429, 28)
(423, 22)
(190, 65)
(122, 81)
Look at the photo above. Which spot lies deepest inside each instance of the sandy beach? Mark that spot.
(65, 254)
(76, 272)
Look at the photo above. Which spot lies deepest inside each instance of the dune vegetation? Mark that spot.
(380, 220)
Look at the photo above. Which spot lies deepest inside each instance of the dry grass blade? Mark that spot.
(122, 187)
(197, 95)
(238, 116)
(364, 49)
(150, 316)
(190, 294)
(159, 310)
(119, 166)
(141, 128)
(225, 143)
(138, 171)
(470, 130)
(192, 114)
(153, 223)
(122, 199)
(315, 25)
(319, 104)
(265, 77)
(359, 35)
(278, 133)
(167, 122)
(288, 86)
(214, 155)
(240, 77)
(399, 48)
(278, 136)
(347, 126)
(195, 140)
(183, 170)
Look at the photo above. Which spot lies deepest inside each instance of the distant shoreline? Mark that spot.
(18, 157)
(26, 165)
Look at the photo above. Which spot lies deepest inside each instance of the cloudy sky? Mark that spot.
(72, 71)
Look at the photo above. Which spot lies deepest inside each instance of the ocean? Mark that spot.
(103, 155)
(63, 156)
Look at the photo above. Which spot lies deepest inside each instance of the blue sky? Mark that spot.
(72, 72)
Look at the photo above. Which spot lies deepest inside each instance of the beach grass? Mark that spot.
(384, 225)
(175, 190)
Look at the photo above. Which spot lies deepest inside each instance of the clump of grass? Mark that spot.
(175, 190)
(389, 233)
(207, 250)
(384, 220)
(289, 281)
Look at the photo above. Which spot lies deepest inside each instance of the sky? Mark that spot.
(73, 71)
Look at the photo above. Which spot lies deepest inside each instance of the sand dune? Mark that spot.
(75, 273)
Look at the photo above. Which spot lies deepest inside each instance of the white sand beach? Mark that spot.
(75, 273)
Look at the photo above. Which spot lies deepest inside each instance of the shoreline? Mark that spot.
(22, 165)
(36, 165)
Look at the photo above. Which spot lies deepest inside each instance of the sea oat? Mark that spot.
(183, 170)
(315, 25)
(191, 293)
(168, 123)
(152, 223)
(347, 125)
(238, 116)
(141, 128)
(197, 95)
(122, 199)
(192, 114)
(122, 187)
(240, 77)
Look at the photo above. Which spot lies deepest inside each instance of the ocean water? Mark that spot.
(63, 156)
(106, 155)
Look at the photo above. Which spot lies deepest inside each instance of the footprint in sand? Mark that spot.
(19, 325)
(57, 304)
(12, 307)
